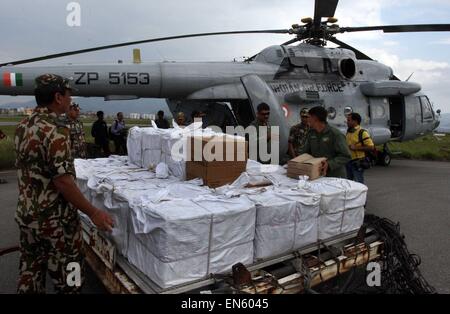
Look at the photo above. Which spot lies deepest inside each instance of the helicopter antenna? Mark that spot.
(407, 80)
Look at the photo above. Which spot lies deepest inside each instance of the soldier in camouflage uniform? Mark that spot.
(77, 139)
(49, 225)
(298, 134)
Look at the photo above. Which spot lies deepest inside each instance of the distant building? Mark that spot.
(135, 116)
(148, 116)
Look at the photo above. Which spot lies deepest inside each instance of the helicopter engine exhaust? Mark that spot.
(347, 68)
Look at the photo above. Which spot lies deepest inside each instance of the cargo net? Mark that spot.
(400, 269)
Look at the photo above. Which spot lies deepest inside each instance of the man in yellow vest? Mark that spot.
(359, 142)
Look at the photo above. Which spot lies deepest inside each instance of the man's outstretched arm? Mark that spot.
(70, 191)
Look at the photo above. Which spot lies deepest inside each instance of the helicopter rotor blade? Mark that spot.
(400, 28)
(75, 52)
(324, 8)
(359, 55)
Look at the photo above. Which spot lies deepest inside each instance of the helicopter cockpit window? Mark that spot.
(427, 111)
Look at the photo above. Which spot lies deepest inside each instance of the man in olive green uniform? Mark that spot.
(326, 141)
(49, 225)
(77, 139)
(298, 134)
(261, 122)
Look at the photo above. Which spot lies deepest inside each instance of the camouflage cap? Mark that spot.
(304, 112)
(75, 106)
(52, 81)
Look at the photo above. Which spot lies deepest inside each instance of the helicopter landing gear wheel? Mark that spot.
(385, 159)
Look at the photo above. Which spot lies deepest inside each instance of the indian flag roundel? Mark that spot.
(12, 79)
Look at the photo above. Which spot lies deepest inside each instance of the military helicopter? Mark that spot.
(286, 77)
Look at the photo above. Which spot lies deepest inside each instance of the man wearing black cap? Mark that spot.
(47, 215)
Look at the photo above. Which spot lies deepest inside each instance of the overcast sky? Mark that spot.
(38, 27)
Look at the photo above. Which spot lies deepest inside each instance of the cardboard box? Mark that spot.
(217, 149)
(305, 165)
(215, 174)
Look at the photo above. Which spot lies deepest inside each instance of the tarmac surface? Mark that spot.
(414, 193)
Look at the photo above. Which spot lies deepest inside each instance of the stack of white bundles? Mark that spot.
(124, 192)
(134, 146)
(108, 176)
(174, 242)
(341, 206)
(87, 169)
(118, 205)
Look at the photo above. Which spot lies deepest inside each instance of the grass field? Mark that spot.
(428, 147)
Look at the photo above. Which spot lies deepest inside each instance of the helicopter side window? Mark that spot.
(313, 65)
(427, 111)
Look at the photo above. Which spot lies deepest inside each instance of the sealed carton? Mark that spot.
(217, 149)
(305, 165)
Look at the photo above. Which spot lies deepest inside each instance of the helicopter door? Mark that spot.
(258, 91)
(414, 125)
(397, 116)
(215, 113)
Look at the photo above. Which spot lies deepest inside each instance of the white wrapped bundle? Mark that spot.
(169, 274)
(181, 241)
(341, 206)
(233, 218)
(338, 194)
(134, 146)
(331, 225)
(307, 212)
(275, 224)
(152, 147)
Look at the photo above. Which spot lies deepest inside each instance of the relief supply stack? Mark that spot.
(177, 231)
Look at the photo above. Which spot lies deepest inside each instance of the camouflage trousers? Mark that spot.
(50, 249)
